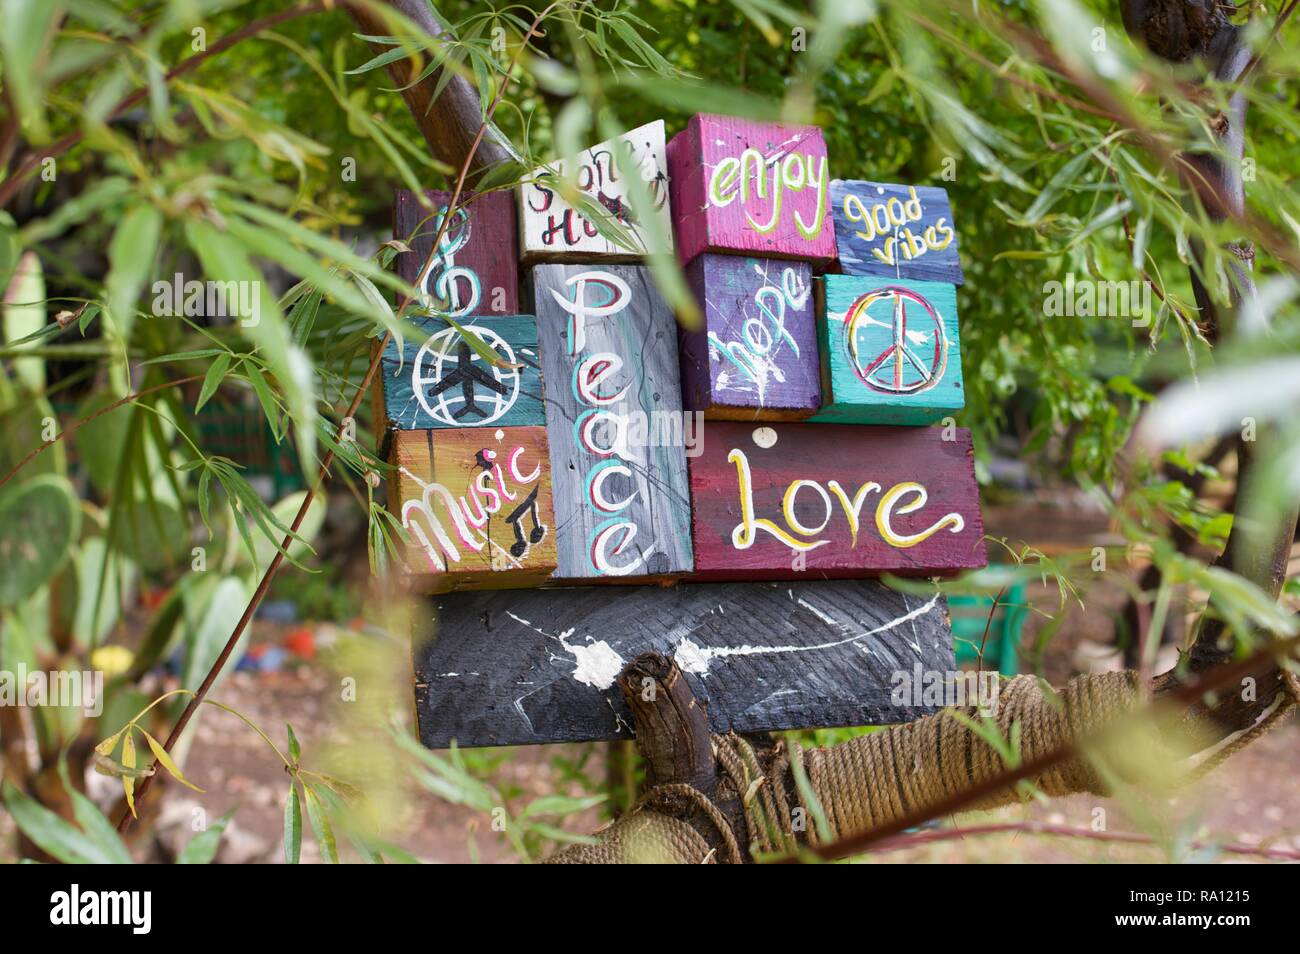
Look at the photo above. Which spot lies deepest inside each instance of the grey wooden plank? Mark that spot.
(517, 667)
(614, 421)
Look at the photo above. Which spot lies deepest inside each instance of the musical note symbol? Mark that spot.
(535, 535)
(450, 276)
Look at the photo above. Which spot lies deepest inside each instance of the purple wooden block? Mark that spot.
(756, 357)
(741, 187)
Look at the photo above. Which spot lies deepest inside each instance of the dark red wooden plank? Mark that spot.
(784, 501)
(477, 272)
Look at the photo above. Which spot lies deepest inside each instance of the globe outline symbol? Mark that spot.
(441, 356)
(878, 372)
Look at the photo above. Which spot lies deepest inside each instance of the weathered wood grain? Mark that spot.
(890, 350)
(741, 187)
(477, 271)
(552, 230)
(439, 381)
(613, 412)
(898, 231)
(785, 501)
(477, 505)
(533, 666)
(755, 358)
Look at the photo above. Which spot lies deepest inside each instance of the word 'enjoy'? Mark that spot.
(736, 177)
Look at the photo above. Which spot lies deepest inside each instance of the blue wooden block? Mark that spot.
(440, 381)
(899, 231)
(889, 349)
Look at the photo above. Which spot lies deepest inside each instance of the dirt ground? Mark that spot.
(1252, 801)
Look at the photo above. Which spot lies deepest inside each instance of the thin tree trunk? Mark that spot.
(450, 121)
(1183, 31)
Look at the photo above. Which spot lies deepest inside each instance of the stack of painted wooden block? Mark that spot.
(602, 443)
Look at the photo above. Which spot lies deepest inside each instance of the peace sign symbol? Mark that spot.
(913, 359)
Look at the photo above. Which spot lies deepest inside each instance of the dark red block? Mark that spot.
(477, 266)
(795, 500)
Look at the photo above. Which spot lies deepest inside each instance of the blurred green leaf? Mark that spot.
(292, 826)
(202, 848)
(131, 256)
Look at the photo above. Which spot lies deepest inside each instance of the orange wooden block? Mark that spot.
(476, 505)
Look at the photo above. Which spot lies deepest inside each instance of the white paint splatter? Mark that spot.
(595, 665)
(694, 658)
(691, 657)
(816, 612)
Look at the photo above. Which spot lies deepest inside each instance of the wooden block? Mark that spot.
(534, 666)
(897, 231)
(756, 356)
(477, 272)
(890, 350)
(748, 188)
(477, 505)
(783, 501)
(552, 230)
(442, 382)
(614, 417)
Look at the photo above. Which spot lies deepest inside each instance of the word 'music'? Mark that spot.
(904, 497)
(737, 177)
(891, 220)
(489, 492)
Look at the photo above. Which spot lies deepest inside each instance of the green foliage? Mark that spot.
(239, 169)
(38, 524)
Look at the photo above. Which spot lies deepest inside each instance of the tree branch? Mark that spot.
(448, 123)
(467, 162)
(1182, 31)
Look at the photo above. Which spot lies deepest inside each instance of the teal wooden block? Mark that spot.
(890, 350)
(440, 381)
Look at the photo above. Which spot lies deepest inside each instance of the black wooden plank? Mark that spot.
(513, 667)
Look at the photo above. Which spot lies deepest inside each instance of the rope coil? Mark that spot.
(880, 777)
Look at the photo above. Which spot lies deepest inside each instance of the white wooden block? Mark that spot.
(550, 229)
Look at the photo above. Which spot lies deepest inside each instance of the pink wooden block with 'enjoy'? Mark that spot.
(746, 188)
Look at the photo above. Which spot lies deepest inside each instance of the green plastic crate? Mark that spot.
(970, 616)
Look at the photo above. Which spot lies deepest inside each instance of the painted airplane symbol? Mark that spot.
(465, 374)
